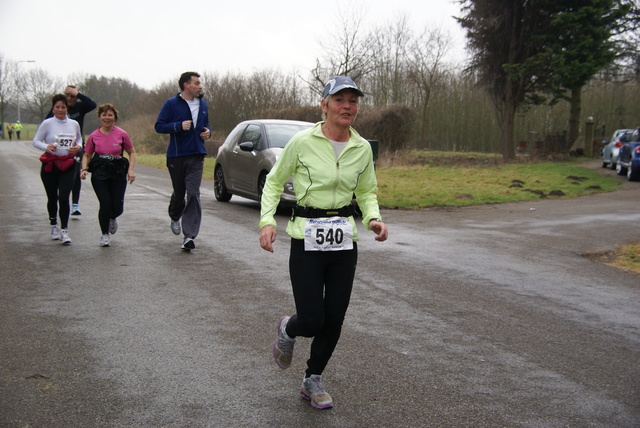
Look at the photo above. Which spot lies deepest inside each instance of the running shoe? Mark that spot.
(282, 348)
(175, 227)
(104, 240)
(313, 391)
(55, 232)
(113, 226)
(75, 210)
(64, 236)
(188, 244)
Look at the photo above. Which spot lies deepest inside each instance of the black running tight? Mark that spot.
(58, 186)
(110, 193)
(322, 283)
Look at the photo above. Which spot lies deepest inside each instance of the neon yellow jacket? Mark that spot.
(322, 181)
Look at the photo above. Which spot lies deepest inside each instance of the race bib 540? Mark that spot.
(328, 234)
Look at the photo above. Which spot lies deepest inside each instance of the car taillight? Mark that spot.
(637, 150)
(618, 144)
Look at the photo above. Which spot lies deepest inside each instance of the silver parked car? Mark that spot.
(249, 153)
(612, 147)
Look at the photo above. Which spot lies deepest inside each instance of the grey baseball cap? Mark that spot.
(338, 83)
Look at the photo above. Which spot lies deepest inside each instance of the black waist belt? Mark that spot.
(310, 212)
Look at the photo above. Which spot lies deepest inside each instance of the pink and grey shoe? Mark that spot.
(313, 391)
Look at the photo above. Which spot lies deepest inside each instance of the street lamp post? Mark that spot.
(19, 90)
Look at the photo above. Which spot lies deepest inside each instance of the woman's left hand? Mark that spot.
(380, 229)
(74, 149)
(132, 176)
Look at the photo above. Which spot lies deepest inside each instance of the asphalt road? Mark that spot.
(475, 317)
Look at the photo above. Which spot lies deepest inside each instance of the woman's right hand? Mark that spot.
(83, 174)
(52, 147)
(267, 237)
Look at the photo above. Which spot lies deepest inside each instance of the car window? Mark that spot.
(252, 134)
(279, 135)
(232, 139)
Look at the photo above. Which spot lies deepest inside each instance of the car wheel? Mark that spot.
(613, 165)
(219, 187)
(262, 180)
(633, 174)
(620, 169)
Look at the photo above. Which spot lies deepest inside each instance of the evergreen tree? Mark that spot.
(580, 42)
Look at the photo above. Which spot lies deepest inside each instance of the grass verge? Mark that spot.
(627, 258)
(417, 187)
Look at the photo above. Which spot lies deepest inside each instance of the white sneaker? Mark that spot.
(55, 232)
(282, 348)
(113, 226)
(104, 240)
(188, 244)
(64, 236)
(175, 227)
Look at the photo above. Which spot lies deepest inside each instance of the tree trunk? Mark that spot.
(508, 119)
(423, 127)
(574, 116)
(508, 151)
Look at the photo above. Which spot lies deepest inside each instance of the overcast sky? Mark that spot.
(152, 41)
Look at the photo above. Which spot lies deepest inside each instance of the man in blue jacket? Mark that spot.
(185, 118)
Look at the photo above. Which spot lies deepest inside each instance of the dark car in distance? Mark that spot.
(629, 157)
(247, 156)
(611, 148)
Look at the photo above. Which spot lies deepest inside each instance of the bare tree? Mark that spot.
(347, 51)
(425, 69)
(7, 86)
(386, 83)
(37, 87)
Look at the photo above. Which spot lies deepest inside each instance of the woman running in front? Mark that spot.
(331, 162)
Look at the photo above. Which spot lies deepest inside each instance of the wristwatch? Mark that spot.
(374, 219)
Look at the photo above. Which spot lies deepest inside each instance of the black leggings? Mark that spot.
(58, 186)
(77, 184)
(322, 283)
(110, 193)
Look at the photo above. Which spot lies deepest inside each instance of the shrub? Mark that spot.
(390, 125)
(143, 135)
